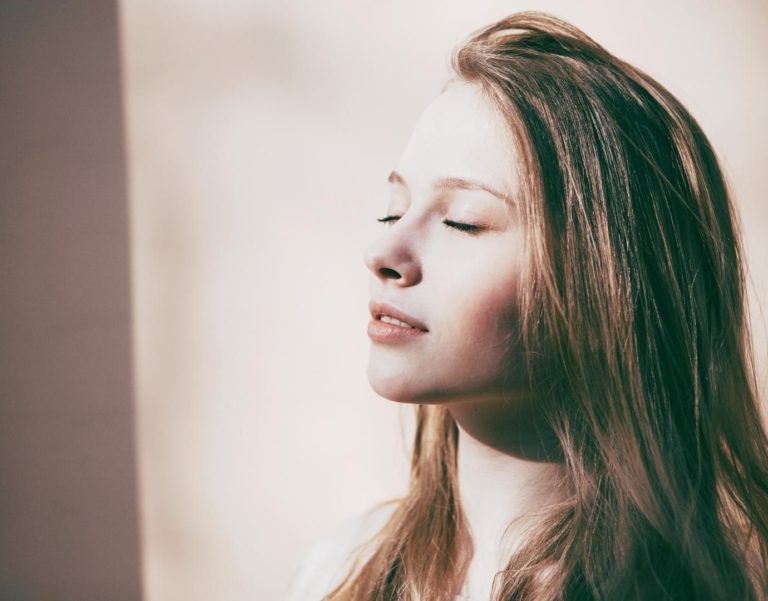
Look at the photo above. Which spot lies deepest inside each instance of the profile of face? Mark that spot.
(445, 271)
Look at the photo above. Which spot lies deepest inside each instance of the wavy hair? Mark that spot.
(633, 317)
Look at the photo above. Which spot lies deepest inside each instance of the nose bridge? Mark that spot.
(394, 255)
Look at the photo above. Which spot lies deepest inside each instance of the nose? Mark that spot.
(392, 258)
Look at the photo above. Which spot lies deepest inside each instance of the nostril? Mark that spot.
(386, 272)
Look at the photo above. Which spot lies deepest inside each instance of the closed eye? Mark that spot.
(464, 227)
(457, 225)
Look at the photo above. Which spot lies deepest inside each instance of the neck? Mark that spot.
(506, 477)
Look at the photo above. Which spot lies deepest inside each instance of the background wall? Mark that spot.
(69, 524)
(260, 137)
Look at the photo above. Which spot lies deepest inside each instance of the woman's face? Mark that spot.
(448, 260)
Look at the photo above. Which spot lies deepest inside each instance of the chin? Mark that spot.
(398, 387)
(394, 381)
(391, 387)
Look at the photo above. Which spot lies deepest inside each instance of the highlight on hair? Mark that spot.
(634, 322)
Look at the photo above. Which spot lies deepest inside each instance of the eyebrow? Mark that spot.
(453, 183)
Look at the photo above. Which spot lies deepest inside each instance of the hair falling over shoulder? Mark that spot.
(634, 273)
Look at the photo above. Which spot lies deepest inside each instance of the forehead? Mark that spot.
(459, 135)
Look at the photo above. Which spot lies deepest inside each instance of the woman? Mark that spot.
(560, 291)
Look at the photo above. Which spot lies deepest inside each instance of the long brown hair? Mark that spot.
(634, 321)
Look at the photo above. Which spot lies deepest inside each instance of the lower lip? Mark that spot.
(381, 331)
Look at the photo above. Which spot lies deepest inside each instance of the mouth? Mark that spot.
(388, 314)
(390, 325)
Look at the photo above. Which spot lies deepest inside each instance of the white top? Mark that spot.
(327, 562)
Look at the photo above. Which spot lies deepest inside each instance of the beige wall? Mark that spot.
(68, 500)
(260, 136)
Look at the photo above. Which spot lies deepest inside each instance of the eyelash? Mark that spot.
(457, 225)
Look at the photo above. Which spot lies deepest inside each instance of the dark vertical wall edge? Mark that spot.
(69, 514)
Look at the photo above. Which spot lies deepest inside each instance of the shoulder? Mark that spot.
(330, 558)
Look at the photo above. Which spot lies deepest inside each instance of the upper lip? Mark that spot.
(378, 309)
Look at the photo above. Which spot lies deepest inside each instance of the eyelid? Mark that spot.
(469, 228)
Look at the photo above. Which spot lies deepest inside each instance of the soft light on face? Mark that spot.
(448, 260)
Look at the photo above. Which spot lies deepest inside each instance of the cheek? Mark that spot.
(481, 325)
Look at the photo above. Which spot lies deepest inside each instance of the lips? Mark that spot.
(391, 326)
(386, 313)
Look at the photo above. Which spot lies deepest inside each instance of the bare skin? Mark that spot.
(502, 481)
(450, 259)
